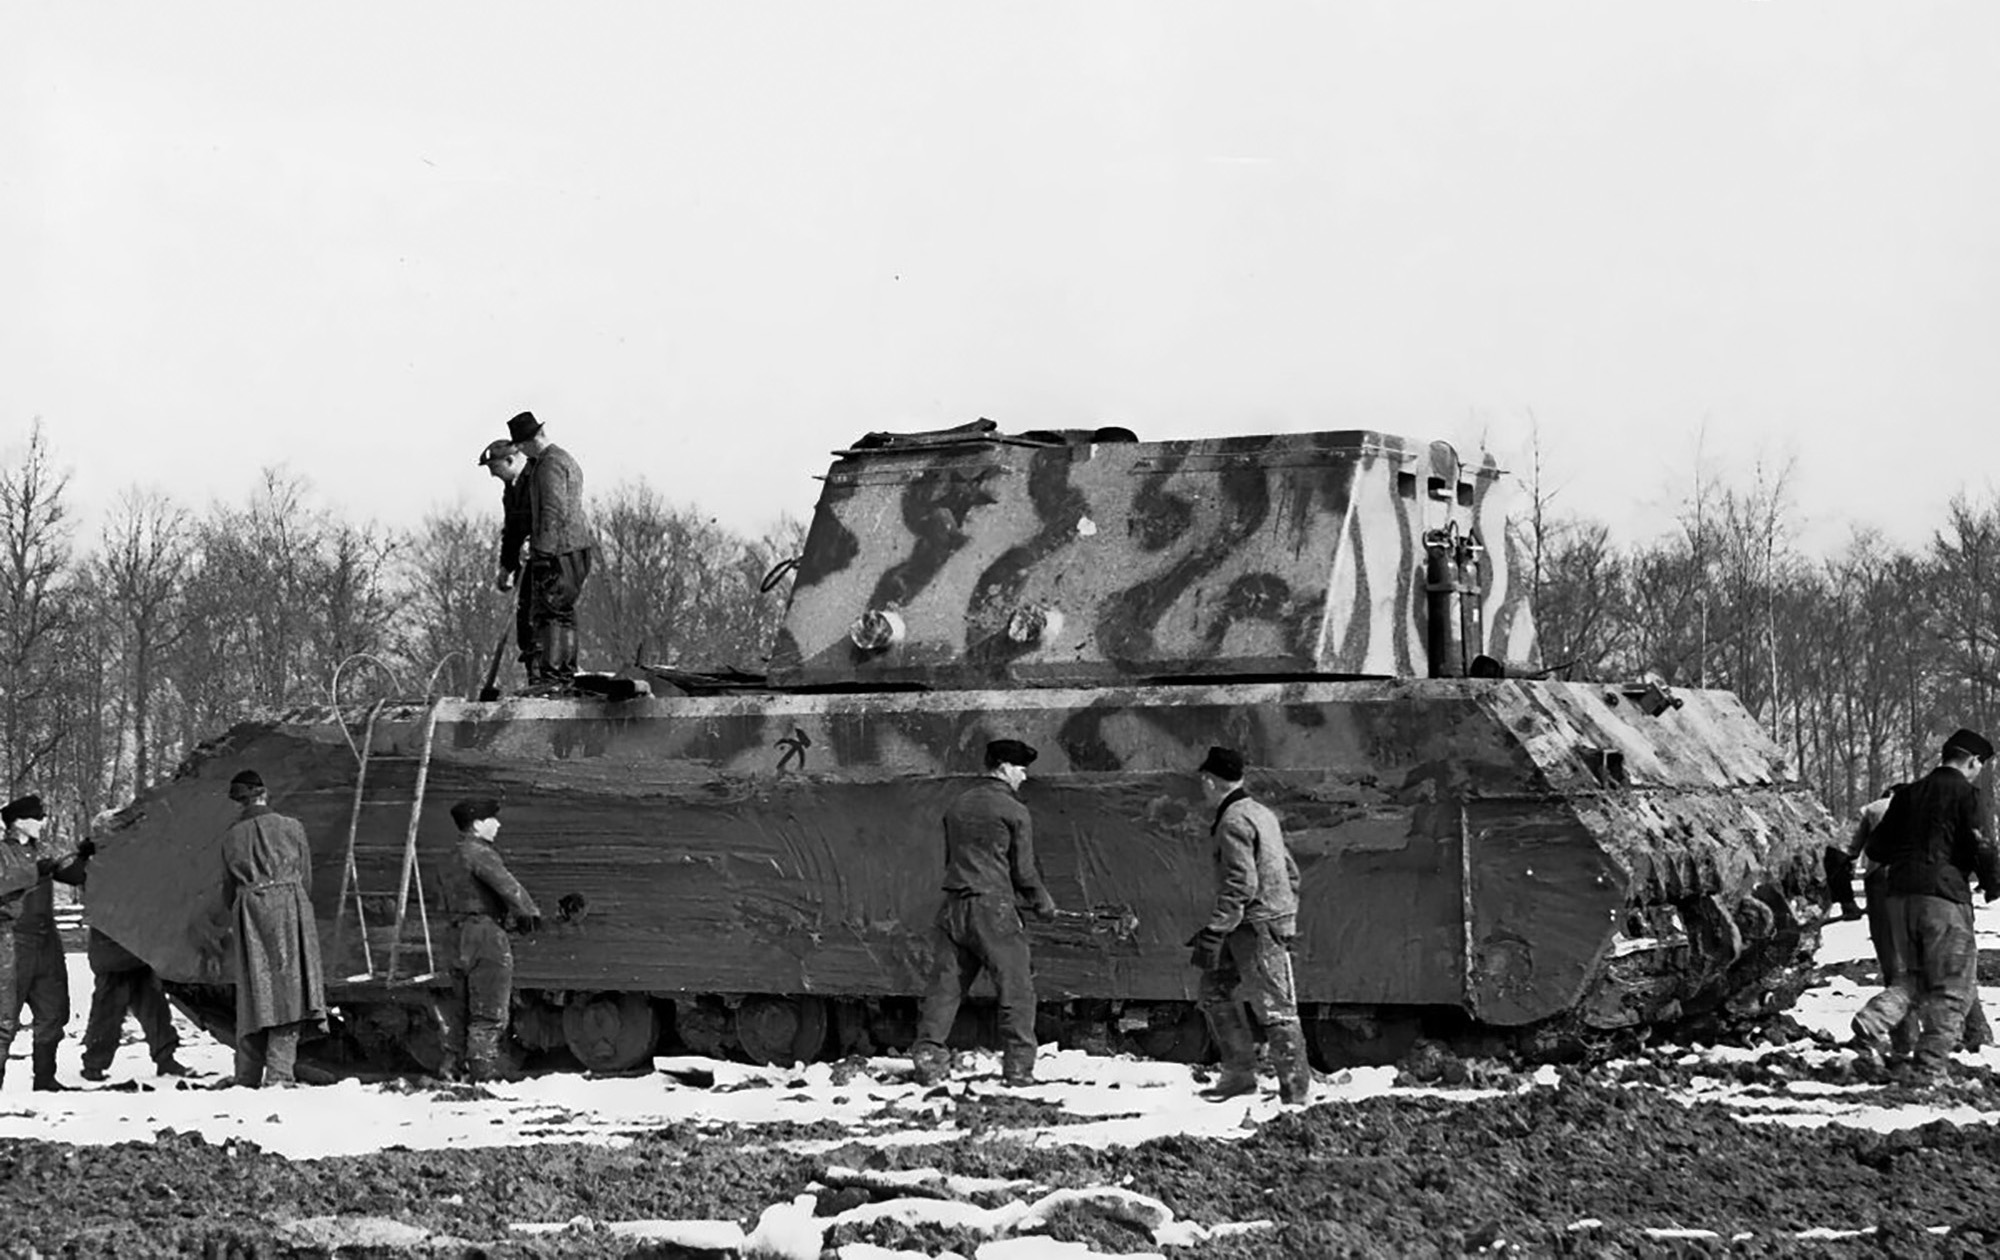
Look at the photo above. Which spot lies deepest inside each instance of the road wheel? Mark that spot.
(781, 1030)
(609, 1032)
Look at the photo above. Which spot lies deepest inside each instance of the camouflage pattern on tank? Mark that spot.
(989, 560)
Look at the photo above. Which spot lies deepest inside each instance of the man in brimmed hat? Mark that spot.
(1931, 845)
(485, 902)
(559, 548)
(989, 870)
(280, 988)
(32, 972)
(506, 462)
(1244, 951)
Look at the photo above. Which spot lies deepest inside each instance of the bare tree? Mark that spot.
(36, 609)
(141, 573)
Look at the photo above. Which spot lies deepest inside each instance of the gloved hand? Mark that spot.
(1206, 949)
(1850, 910)
(526, 924)
(1045, 906)
(504, 580)
(86, 847)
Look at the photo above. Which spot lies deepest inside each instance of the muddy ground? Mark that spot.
(1657, 1155)
(1387, 1176)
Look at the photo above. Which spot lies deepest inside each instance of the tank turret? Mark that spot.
(969, 558)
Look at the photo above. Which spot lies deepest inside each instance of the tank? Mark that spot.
(748, 864)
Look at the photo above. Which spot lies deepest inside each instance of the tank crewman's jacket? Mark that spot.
(478, 885)
(268, 863)
(1931, 839)
(556, 524)
(1256, 880)
(27, 888)
(989, 846)
(516, 521)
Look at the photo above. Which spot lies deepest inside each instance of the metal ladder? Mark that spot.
(353, 896)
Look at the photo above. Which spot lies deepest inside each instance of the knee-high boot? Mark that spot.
(1238, 1048)
(1288, 1056)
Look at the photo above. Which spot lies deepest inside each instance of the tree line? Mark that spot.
(121, 652)
(124, 650)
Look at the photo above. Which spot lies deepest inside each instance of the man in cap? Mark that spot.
(559, 548)
(1244, 951)
(280, 988)
(485, 901)
(122, 984)
(32, 972)
(989, 870)
(1931, 846)
(505, 461)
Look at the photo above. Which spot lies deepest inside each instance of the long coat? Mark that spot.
(278, 976)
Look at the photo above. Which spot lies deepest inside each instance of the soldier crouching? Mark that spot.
(1245, 950)
(485, 901)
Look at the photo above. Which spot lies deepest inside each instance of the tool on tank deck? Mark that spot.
(1491, 856)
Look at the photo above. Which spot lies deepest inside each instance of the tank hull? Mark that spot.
(1525, 854)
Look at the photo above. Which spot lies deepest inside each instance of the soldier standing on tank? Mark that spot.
(1244, 952)
(505, 461)
(1931, 844)
(484, 900)
(559, 549)
(989, 870)
(32, 971)
(280, 989)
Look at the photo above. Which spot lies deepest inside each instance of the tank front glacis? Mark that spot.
(993, 561)
(1545, 861)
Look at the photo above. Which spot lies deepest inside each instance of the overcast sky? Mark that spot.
(711, 242)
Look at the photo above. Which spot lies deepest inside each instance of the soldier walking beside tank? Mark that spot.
(505, 461)
(123, 984)
(280, 988)
(1244, 952)
(1931, 845)
(32, 971)
(484, 901)
(989, 870)
(559, 548)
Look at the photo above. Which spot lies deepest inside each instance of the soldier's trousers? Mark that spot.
(1254, 966)
(124, 985)
(36, 979)
(482, 985)
(555, 584)
(1903, 1037)
(1937, 961)
(975, 933)
(529, 646)
(267, 1055)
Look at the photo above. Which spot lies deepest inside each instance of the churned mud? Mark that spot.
(1586, 1167)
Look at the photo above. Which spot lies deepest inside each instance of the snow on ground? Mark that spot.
(1109, 1101)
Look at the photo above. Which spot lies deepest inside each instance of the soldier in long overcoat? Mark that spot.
(280, 988)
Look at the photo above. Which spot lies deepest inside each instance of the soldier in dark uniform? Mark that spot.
(1931, 844)
(485, 901)
(1244, 952)
(280, 988)
(505, 461)
(989, 869)
(32, 972)
(559, 548)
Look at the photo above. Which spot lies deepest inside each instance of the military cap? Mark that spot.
(498, 448)
(245, 785)
(523, 426)
(472, 809)
(1971, 742)
(1009, 752)
(29, 806)
(1224, 763)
